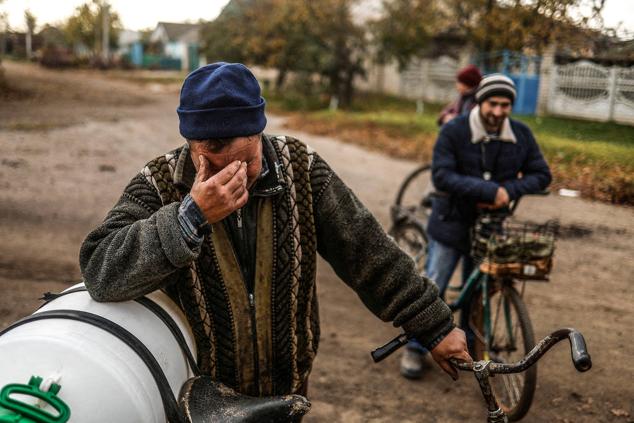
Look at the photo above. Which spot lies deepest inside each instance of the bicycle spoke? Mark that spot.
(516, 331)
(509, 319)
(509, 391)
(512, 391)
(516, 389)
(495, 323)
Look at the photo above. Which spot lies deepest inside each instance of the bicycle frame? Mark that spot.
(476, 279)
(480, 280)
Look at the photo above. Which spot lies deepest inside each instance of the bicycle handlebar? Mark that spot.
(387, 349)
(516, 203)
(579, 352)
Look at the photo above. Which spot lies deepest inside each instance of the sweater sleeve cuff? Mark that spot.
(175, 246)
(191, 221)
(510, 189)
(431, 325)
(489, 191)
(444, 332)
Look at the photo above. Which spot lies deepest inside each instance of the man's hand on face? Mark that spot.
(501, 199)
(220, 195)
(454, 345)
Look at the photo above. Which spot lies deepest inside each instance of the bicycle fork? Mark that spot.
(482, 374)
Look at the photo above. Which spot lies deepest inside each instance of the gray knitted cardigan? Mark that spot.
(139, 248)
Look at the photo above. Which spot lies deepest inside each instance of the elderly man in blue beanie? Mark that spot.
(481, 161)
(229, 225)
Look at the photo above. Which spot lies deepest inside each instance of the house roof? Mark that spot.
(176, 31)
(52, 35)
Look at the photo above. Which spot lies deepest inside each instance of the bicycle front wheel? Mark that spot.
(414, 194)
(510, 339)
(411, 238)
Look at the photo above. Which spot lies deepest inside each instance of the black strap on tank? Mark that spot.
(154, 308)
(169, 400)
(47, 297)
(171, 325)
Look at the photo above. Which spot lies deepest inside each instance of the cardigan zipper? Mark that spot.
(251, 298)
(256, 356)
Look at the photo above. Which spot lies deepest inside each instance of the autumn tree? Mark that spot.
(342, 44)
(405, 28)
(488, 25)
(528, 24)
(275, 36)
(4, 27)
(316, 37)
(85, 26)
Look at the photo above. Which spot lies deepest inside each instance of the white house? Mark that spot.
(127, 37)
(179, 41)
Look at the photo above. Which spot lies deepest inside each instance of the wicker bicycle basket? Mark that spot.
(520, 250)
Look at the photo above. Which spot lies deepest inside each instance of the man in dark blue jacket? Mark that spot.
(481, 161)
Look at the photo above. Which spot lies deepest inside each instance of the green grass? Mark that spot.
(399, 123)
(569, 141)
(584, 142)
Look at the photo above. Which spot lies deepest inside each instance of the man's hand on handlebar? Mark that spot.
(501, 199)
(454, 345)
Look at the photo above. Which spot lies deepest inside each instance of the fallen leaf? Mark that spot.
(619, 412)
(556, 401)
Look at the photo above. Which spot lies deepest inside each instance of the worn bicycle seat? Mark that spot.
(203, 400)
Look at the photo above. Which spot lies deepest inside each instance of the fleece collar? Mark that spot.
(479, 133)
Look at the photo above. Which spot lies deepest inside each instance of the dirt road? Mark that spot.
(71, 140)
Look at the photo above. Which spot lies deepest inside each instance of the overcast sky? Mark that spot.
(135, 14)
(141, 14)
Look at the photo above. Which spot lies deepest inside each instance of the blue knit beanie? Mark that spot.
(221, 100)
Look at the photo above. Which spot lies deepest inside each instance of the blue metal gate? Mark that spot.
(522, 69)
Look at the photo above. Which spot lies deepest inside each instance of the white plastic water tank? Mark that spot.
(102, 379)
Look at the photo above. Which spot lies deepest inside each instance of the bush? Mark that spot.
(57, 57)
(301, 92)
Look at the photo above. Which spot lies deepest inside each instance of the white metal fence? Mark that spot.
(590, 91)
(432, 80)
(578, 90)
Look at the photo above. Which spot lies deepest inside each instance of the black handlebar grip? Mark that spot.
(579, 351)
(387, 349)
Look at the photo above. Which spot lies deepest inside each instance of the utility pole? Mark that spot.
(488, 42)
(4, 28)
(105, 33)
(29, 18)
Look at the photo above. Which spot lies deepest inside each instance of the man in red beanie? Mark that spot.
(467, 81)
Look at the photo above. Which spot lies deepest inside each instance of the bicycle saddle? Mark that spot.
(203, 400)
